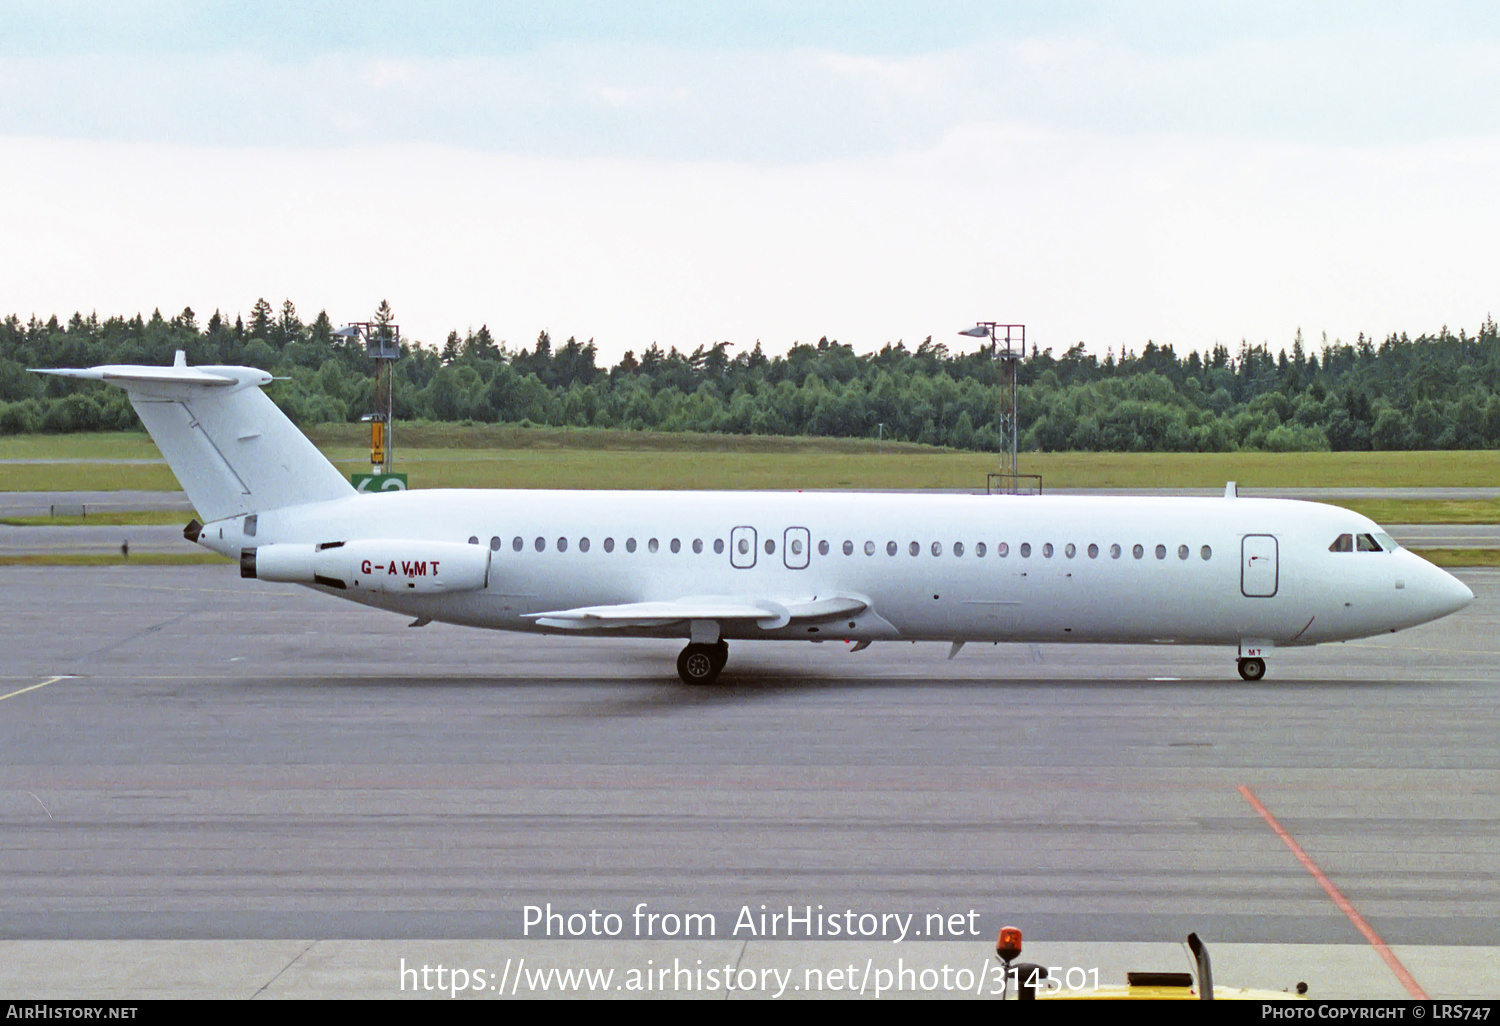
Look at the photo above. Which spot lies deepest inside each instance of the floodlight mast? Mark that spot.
(1008, 346)
(383, 345)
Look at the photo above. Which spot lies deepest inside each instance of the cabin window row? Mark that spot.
(1024, 550)
(540, 544)
(957, 549)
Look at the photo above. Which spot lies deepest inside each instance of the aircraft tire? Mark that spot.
(1252, 669)
(720, 656)
(698, 664)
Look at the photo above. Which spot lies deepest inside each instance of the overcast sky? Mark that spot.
(687, 172)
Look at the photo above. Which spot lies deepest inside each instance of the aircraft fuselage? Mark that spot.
(927, 567)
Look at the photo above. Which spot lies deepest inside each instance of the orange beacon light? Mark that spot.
(1008, 946)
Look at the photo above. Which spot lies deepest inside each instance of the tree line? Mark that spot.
(1435, 391)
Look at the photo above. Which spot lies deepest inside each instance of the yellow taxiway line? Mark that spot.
(22, 691)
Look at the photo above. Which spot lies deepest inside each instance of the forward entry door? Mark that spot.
(742, 547)
(1259, 574)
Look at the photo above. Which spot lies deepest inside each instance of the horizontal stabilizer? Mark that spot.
(768, 614)
(123, 373)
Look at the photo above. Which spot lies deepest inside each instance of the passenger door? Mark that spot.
(1259, 573)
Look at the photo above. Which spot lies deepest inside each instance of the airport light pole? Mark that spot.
(383, 345)
(1008, 346)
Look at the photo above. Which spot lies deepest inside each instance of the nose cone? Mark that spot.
(1443, 593)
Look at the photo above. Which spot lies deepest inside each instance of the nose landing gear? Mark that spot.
(1252, 669)
(702, 664)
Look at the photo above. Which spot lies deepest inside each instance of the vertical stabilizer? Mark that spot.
(233, 451)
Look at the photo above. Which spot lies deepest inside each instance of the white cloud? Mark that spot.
(1102, 185)
(1366, 85)
(1106, 239)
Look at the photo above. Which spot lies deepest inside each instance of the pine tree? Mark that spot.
(261, 319)
(290, 326)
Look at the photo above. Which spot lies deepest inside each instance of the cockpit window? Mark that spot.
(1381, 542)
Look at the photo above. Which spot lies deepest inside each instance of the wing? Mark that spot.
(767, 614)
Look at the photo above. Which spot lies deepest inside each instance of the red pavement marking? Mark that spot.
(1342, 902)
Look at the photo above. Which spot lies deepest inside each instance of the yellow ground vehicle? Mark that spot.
(1031, 982)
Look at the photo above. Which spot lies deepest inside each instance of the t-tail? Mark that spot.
(232, 450)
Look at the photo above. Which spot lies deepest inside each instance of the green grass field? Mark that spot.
(1456, 558)
(1426, 511)
(112, 518)
(491, 456)
(113, 559)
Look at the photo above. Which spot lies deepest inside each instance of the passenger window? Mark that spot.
(1071, 550)
(517, 544)
(541, 544)
(796, 546)
(1114, 551)
(629, 544)
(562, 545)
(1206, 552)
(848, 548)
(1343, 543)
(1366, 543)
(718, 546)
(494, 544)
(653, 545)
(979, 549)
(958, 548)
(869, 548)
(1161, 552)
(890, 548)
(1047, 550)
(744, 546)
(1182, 552)
(676, 546)
(915, 548)
(1002, 550)
(1137, 552)
(609, 545)
(1093, 551)
(583, 544)
(770, 547)
(1026, 550)
(697, 545)
(937, 548)
(473, 539)
(822, 548)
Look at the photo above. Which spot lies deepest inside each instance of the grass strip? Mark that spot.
(510, 456)
(1424, 511)
(1450, 558)
(114, 559)
(105, 518)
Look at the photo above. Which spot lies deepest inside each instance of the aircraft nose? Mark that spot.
(1447, 593)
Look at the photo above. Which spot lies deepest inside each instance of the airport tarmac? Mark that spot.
(211, 786)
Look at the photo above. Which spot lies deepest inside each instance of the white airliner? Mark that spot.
(711, 566)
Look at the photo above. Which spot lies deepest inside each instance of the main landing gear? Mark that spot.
(701, 664)
(1252, 669)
